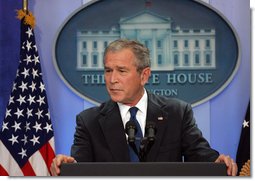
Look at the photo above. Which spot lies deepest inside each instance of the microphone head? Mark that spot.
(130, 129)
(130, 125)
(150, 130)
(149, 125)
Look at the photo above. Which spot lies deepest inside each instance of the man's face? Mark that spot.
(123, 82)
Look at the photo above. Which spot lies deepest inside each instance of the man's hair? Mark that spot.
(140, 51)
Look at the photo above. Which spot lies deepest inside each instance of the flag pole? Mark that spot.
(25, 6)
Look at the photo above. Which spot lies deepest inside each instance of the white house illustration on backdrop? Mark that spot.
(171, 48)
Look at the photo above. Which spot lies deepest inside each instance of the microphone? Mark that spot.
(150, 131)
(131, 130)
(148, 140)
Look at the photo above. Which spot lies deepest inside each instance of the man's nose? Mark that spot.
(114, 77)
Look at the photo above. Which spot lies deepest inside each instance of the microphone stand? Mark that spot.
(145, 148)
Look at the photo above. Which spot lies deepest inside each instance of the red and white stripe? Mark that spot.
(38, 164)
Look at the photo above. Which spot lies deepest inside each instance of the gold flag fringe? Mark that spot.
(246, 169)
(29, 18)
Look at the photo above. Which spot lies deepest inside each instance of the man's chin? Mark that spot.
(116, 99)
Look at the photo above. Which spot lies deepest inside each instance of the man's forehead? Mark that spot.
(116, 66)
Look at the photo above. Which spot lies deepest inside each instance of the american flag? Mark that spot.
(26, 136)
(243, 154)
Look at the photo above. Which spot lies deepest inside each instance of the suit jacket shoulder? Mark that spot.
(96, 112)
(163, 101)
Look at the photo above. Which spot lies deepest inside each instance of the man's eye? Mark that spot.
(108, 70)
(122, 70)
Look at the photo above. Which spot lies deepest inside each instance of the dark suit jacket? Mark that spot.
(100, 134)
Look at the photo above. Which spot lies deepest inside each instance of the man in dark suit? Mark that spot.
(100, 132)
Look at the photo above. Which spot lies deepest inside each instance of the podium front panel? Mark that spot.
(143, 169)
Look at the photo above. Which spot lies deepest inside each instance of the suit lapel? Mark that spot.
(114, 132)
(155, 114)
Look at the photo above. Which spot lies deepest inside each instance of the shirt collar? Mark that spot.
(141, 105)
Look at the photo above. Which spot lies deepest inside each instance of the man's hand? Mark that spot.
(231, 165)
(57, 161)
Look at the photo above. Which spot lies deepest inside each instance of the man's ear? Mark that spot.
(145, 75)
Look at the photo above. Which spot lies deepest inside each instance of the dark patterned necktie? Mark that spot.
(139, 135)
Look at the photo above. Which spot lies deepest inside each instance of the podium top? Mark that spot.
(143, 169)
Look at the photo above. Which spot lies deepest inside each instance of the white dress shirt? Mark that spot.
(141, 113)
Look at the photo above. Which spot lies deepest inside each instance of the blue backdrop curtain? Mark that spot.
(9, 49)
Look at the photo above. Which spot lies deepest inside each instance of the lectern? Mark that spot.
(143, 169)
